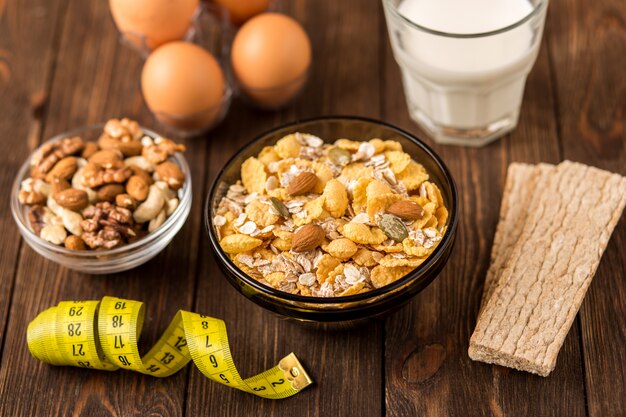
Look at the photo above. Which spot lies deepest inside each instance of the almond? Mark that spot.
(302, 184)
(106, 157)
(307, 238)
(90, 149)
(65, 168)
(58, 185)
(110, 191)
(126, 145)
(137, 187)
(141, 172)
(406, 210)
(74, 243)
(171, 174)
(72, 199)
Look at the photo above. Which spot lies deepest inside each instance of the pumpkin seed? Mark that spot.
(280, 207)
(339, 156)
(393, 227)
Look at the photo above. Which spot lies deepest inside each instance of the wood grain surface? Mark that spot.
(61, 66)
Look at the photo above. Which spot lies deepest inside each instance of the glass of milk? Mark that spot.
(464, 63)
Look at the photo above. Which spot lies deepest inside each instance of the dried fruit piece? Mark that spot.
(392, 226)
(72, 199)
(302, 183)
(307, 238)
(282, 210)
(406, 210)
(339, 156)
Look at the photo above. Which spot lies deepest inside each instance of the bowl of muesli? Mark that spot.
(333, 219)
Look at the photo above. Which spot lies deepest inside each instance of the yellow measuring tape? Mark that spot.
(104, 334)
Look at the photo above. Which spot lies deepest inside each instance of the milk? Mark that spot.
(468, 87)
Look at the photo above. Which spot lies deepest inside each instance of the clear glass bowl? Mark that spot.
(347, 310)
(110, 260)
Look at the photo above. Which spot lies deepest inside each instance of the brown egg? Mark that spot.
(183, 85)
(271, 55)
(242, 10)
(159, 21)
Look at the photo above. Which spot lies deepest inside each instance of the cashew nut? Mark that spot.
(54, 234)
(71, 220)
(77, 182)
(151, 207)
(139, 162)
(157, 221)
(168, 193)
(171, 206)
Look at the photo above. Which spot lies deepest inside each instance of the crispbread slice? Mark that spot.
(520, 190)
(539, 290)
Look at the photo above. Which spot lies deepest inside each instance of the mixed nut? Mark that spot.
(324, 220)
(103, 194)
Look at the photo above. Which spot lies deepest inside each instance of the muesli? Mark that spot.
(323, 220)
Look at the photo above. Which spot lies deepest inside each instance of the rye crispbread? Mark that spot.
(537, 290)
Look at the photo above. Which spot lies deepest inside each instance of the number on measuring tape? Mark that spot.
(117, 321)
(103, 335)
(118, 343)
(180, 343)
(73, 329)
(76, 311)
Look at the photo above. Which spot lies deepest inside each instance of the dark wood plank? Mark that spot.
(346, 366)
(427, 369)
(587, 47)
(24, 83)
(97, 78)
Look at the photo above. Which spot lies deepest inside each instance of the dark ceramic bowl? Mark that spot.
(350, 308)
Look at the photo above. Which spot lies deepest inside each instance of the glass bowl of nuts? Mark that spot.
(333, 219)
(102, 199)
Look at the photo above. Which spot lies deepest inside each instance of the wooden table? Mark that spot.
(61, 66)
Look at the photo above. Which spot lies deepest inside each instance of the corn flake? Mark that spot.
(393, 145)
(268, 155)
(275, 278)
(366, 257)
(379, 145)
(314, 209)
(324, 174)
(355, 171)
(237, 243)
(341, 248)
(325, 265)
(288, 147)
(335, 198)
(376, 188)
(260, 213)
(350, 145)
(382, 275)
(413, 176)
(398, 160)
(355, 289)
(359, 194)
(391, 261)
(413, 249)
(253, 175)
(380, 202)
(361, 233)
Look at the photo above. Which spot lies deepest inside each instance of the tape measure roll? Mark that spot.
(104, 334)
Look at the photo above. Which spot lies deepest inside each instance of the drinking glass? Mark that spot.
(465, 88)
